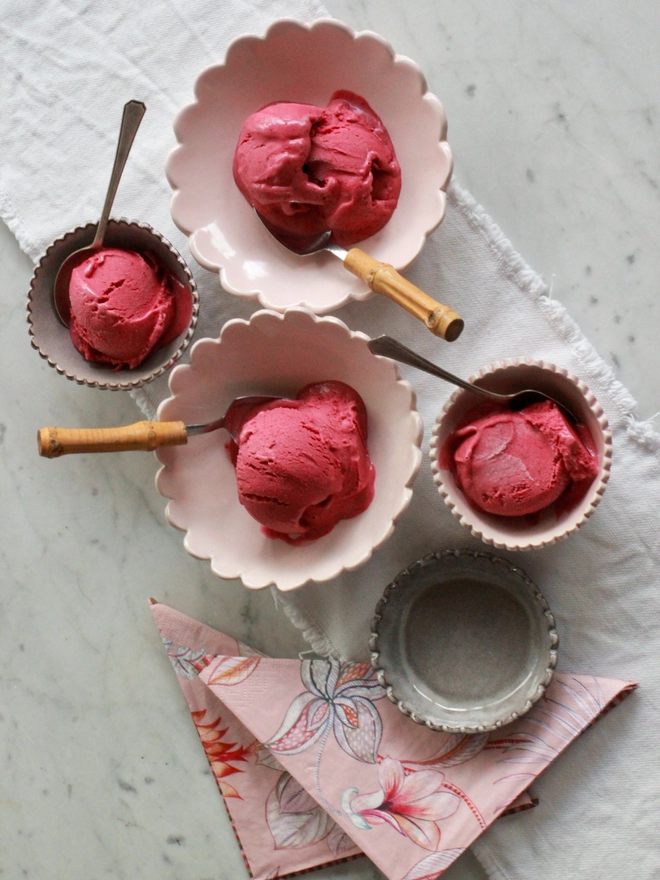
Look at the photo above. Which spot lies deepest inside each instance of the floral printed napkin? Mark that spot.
(280, 828)
(316, 766)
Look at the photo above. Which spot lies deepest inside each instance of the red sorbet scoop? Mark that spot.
(302, 465)
(514, 463)
(307, 169)
(124, 304)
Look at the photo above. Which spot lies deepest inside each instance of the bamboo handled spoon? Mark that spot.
(141, 436)
(441, 320)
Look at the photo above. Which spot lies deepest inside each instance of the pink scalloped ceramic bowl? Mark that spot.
(304, 63)
(554, 522)
(279, 354)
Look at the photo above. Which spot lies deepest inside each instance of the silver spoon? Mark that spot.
(389, 347)
(130, 122)
(382, 278)
(144, 436)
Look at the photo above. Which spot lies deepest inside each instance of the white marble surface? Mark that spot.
(554, 121)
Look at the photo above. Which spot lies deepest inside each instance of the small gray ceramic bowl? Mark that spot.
(52, 340)
(463, 641)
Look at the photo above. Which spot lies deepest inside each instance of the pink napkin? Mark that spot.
(316, 766)
(279, 827)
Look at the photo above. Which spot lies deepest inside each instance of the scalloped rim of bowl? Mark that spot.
(286, 584)
(543, 679)
(354, 288)
(105, 384)
(473, 519)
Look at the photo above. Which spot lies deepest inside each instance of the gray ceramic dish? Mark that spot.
(463, 641)
(52, 340)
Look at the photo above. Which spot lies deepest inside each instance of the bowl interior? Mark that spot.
(297, 63)
(53, 339)
(532, 530)
(464, 641)
(280, 354)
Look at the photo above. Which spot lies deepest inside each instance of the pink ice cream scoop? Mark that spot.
(307, 169)
(515, 463)
(125, 304)
(302, 465)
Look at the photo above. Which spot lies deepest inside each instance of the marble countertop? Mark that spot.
(554, 119)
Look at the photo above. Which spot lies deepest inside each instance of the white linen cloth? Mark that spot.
(68, 69)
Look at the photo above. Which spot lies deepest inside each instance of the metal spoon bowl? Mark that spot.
(130, 122)
(441, 320)
(389, 347)
(143, 436)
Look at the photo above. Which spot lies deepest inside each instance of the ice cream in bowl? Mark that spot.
(326, 179)
(314, 479)
(308, 169)
(522, 477)
(133, 307)
(317, 128)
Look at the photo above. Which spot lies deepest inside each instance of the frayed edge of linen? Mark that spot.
(144, 402)
(311, 631)
(10, 217)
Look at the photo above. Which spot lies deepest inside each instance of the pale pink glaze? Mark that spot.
(124, 304)
(516, 463)
(307, 169)
(302, 465)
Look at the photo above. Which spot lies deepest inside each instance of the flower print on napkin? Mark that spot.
(339, 698)
(312, 761)
(412, 798)
(412, 804)
(280, 828)
(223, 755)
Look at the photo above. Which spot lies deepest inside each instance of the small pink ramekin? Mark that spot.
(52, 339)
(551, 524)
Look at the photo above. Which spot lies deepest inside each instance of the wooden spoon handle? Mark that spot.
(146, 436)
(383, 278)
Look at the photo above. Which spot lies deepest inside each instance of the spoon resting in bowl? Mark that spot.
(142, 436)
(130, 122)
(441, 320)
(389, 347)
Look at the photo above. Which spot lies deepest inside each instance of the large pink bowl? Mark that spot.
(280, 354)
(305, 63)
